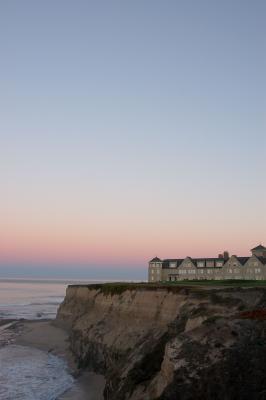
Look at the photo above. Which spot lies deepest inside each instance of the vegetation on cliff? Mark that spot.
(117, 288)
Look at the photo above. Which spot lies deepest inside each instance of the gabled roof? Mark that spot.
(156, 259)
(259, 247)
(243, 260)
(262, 260)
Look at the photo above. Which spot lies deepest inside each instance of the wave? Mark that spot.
(31, 374)
(48, 303)
(35, 310)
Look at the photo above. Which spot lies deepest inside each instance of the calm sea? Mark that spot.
(32, 298)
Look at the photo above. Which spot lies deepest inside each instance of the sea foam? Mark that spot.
(30, 374)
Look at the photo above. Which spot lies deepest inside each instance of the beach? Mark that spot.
(45, 336)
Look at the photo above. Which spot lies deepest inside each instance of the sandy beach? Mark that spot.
(44, 336)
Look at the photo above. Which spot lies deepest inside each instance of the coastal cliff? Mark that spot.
(169, 342)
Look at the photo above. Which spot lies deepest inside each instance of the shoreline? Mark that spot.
(45, 336)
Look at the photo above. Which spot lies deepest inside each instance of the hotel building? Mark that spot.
(220, 268)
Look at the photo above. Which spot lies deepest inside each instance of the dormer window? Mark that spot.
(210, 264)
(201, 264)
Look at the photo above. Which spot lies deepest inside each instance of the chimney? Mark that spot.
(226, 255)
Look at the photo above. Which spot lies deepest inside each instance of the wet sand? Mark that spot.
(47, 337)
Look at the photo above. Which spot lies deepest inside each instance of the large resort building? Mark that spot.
(220, 268)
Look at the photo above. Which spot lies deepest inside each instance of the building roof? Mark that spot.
(259, 247)
(242, 260)
(196, 260)
(178, 261)
(156, 259)
(262, 260)
(208, 259)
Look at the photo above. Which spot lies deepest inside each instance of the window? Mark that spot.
(210, 264)
(201, 264)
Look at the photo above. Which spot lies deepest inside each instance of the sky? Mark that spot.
(130, 130)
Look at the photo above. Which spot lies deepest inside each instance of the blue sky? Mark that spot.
(130, 129)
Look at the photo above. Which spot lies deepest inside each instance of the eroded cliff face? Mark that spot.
(170, 343)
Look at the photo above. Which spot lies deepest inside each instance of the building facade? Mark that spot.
(220, 268)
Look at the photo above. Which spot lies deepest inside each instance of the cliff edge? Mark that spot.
(169, 342)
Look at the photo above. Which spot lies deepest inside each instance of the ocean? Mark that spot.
(27, 373)
(30, 299)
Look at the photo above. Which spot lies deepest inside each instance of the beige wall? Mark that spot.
(155, 272)
(254, 269)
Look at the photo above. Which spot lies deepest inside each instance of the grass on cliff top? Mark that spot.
(225, 282)
(175, 287)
